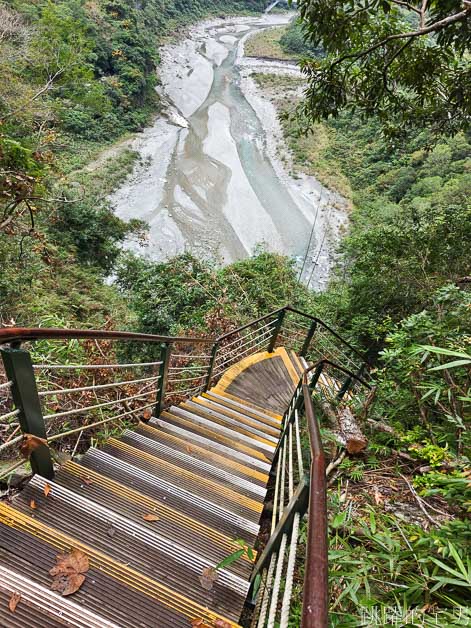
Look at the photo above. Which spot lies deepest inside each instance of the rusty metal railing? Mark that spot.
(299, 489)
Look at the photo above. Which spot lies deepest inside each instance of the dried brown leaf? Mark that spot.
(188, 449)
(208, 577)
(146, 415)
(74, 561)
(47, 489)
(220, 623)
(68, 584)
(68, 572)
(151, 517)
(14, 601)
(87, 480)
(377, 496)
(32, 504)
(30, 443)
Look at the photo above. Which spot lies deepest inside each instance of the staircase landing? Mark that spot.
(152, 510)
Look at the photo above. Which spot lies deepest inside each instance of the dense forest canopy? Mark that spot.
(405, 62)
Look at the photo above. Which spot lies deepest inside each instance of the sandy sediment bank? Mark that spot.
(198, 187)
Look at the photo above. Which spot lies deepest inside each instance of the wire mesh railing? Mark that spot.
(64, 393)
(300, 488)
(68, 387)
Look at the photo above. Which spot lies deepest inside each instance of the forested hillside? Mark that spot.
(75, 76)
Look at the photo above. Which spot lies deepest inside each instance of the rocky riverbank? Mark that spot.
(211, 179)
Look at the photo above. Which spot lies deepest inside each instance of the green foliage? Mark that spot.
(408, 235)
(405, 63)
(74, 75)
(412, 392)
(187, 294)
(294, 41)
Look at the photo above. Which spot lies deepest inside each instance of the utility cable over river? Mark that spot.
(210, 179)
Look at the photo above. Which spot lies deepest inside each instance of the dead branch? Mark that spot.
(419, 500)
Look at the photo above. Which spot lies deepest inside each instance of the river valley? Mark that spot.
(210, 178)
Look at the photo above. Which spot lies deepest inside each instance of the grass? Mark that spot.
(266, 43)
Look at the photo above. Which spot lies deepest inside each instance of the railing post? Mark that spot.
(276, 331)
(211, 366)
(344, 388)
(163, 373)
(309, 336)
(316, 376)
(19, 370)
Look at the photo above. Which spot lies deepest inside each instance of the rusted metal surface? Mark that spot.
(315, 593)
(20, 334)
(316, 587)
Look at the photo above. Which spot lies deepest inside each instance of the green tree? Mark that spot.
(406, 62)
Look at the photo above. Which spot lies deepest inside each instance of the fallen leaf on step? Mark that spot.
(220, 623)
(146, 415)
(66, 585)
(32, 504)
(200, 623)
(87, 480)
(68, 572)
(208, 577)
(151, 518)
(14, 601)
(188, 449)
(30, 443)
(47, 489)
(111, 531)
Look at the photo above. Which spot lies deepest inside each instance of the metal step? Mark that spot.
(204, 408)
(212, 440)
(240, 407)
(222, 460)
(178, 498)
(112, 588)
(39, 606)
(173, 524)
(197, 465)
(193, 483)
(239, 416)
(140, 548)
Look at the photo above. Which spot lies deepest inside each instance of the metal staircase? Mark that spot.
(159, 507)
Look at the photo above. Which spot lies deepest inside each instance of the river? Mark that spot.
(210, 179)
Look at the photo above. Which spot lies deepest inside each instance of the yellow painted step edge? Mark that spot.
(152, 505)
(206, 453)
(233, 496)
(122, 573)
(203, 409)
(213, 435)
(252, 421)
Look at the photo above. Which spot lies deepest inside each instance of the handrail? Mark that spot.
(338, 336)
(336, 366)
(316, 584)
(254, 322)
(12, 334)
(315, 609)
